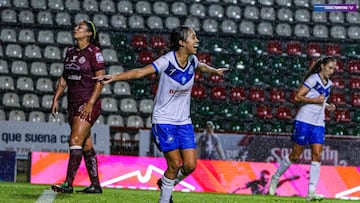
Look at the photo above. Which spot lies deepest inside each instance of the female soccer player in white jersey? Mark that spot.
(172, 127)
(309, 127)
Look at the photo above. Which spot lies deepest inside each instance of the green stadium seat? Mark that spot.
(205, 108)
(257, 127)
(340, 130)
(127, 57)
(298, 66)
(235, 78)
(226, 110)
(119, 41)
(277, 80)
(356, 117)
(237, 126)
(214, 45)
(235, 46)
(241, 62)
(260, 63)
(255, 47)
(256, 79)
(352, 51)
(222, 61)
(278, 128)
(279, 64)
(294, 81)
(140, 89)
(356, 131)
(245, 110)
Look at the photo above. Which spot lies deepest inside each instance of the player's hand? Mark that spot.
(104, 79)
(220, 71)
(331, 107)
(85, 111)
(320, 99)
(55, 108)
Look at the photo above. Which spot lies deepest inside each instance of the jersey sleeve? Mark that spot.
(196, 61)
(310, 82)
(97, 60)
(160, 64)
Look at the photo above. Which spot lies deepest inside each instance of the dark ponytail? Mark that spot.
(316, 67)
(94, 39)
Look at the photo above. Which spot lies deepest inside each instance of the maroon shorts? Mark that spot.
(73, 111)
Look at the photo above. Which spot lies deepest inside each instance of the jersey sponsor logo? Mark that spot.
(72, 66)
(99, 57)
(82, 60)
(74, 58)
(74, 77)
(172, 91)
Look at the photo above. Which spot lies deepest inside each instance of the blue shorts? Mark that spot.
(305, 133)
(171, 137)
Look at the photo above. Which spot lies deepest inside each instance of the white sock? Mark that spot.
(284, 165)
(166, 189)
(180, 176)
(314, 175)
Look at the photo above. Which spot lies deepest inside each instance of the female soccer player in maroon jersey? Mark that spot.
(82, 62)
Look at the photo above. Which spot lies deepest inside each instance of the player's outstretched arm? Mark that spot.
(127, 75)
(203, 67)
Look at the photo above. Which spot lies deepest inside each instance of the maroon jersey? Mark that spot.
(79, 68)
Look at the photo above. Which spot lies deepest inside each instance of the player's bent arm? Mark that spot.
(300, 96)
(97, 89)
(135, 73)
(61, 85)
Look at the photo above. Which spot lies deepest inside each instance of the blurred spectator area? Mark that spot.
(267, 46)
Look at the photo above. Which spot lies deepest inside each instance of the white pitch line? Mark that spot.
(46, 197)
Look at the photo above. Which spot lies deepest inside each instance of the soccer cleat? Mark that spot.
(159, 183)
(312, 196)
(63, 188)
(92, 189)
(273, 185)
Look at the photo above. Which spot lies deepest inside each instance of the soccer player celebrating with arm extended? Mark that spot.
(172, 127)
(83, 61)
(309, 126)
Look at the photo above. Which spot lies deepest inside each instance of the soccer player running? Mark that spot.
(309, 125)
(172, 127)
(83, 61)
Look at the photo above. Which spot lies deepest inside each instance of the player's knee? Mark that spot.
(293, 158)
(189, 169)
(316, 157)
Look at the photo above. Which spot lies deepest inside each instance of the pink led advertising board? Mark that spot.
(209, 176)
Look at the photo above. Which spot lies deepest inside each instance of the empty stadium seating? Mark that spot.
(259, 41)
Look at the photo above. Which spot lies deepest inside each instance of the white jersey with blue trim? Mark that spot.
(172, 100)
(314, 113)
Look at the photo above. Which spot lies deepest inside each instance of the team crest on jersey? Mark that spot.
(183, 80)
(82, 60)
(191, 69)
(99, 57)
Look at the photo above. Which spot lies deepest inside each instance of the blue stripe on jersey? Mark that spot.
(156, 68)
(179, 76)
(319, 88)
